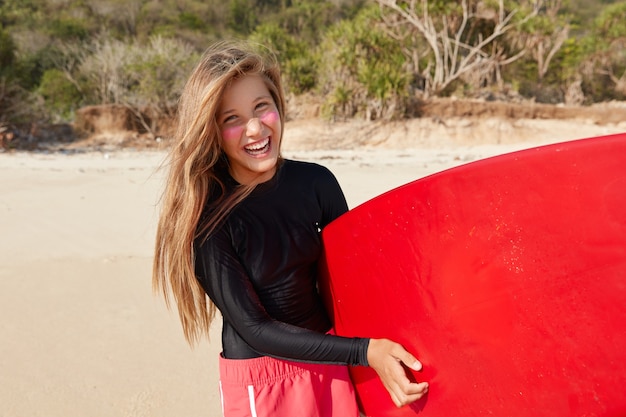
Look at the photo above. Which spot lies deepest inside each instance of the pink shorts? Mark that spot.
(263, 387)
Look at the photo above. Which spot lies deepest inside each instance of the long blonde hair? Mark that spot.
(194, 161)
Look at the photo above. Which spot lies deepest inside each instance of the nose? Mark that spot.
(253, 127)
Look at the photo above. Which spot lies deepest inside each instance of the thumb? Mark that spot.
(411, 361)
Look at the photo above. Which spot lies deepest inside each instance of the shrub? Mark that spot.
(363, 71)
(60, 94)
(295, 57)
(7, 52)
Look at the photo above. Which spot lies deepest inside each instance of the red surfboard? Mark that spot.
(506, 277)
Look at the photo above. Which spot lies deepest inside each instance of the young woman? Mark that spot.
(241, 225)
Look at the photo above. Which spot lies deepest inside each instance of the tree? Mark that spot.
(120, 16)
(243, 16)
(544, 35)
(609, 56)
(156, 74)
(17, 104)
(146, 77)
(7, 51)
(101, 70)
(296, 59)
(363, 71)
(463, 37)
(60, 95)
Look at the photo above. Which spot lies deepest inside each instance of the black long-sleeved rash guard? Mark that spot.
(260, 269)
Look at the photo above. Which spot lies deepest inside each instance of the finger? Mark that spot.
(412, 362)
(409, 360)
(404, 392)
(417, 392)
(403, 399)
(395, 393)
(399, 379)
(412, 388)
(396, 400)
(398, 397)
(415, 388)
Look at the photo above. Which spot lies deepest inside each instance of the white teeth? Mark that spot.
(258, 147)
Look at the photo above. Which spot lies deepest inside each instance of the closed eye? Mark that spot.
(229, 119)
(261, 106)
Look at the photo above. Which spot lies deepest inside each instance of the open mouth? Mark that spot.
(258, 148)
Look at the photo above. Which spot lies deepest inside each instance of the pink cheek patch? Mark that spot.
(269, 117)
(231, 133)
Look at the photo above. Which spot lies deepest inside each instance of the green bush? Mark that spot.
(296, 59)
(68, 29)
(603, 57)
(191, 21)
(156, 73)
(363, 71)
(242, 16)
(60, 94)
(7, 52)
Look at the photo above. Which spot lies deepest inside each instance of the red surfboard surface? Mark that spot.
(506, 277)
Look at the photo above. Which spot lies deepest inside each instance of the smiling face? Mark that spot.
(251, 129)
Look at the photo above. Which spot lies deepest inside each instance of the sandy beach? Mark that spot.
(81, 332)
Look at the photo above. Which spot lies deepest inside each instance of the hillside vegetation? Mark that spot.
(370, 59)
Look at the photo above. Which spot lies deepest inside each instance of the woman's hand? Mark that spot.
(386, 358)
